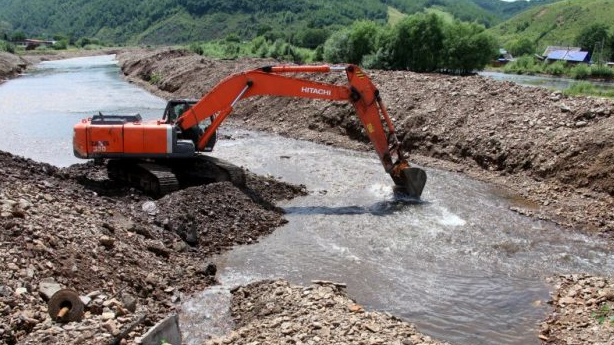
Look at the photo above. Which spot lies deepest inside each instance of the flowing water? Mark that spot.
(38, 111)
(459, 264)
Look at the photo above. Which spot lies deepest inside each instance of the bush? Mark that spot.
(7, 47)
(524, 65)
(336, 48)
(60, 45)
(602, 71)
(467, 47)
(556, 68)
(522, 46)
(580, 71)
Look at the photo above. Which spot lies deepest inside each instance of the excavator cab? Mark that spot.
(175, 108)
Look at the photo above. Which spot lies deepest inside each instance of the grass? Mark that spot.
(584, 88)
(558, 23)
(530, 66)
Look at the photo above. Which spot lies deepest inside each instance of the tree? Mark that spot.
(416, 43)
(336, 48)
(312, 38)
(467, 47)
(18, 36)
(592, 37)
(521, 46)
(362, 40)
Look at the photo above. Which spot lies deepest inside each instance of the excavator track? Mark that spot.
(161, 177)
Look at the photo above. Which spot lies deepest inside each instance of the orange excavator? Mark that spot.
(161, 156)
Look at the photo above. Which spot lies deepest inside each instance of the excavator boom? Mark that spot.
(130, 137)
(360, 92)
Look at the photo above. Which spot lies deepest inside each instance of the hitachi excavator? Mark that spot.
(161, 156)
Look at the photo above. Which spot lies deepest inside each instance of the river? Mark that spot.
(460, 264)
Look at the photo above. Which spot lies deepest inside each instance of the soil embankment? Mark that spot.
(11, 65)
(122, 249)
(552, 150)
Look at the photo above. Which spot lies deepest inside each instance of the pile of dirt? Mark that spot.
(217, 216)
(584, 311)
(11, 65)
(54, 228)
(275, 312)
(549, 148)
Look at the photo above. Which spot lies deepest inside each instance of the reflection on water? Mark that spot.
(545, 82)
(38, 110)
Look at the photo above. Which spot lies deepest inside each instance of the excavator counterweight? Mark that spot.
(151, 150)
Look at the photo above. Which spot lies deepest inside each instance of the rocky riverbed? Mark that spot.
(122, 250)
(276, 312)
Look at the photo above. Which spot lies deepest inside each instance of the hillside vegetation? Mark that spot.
(184, 21)
(559, 23)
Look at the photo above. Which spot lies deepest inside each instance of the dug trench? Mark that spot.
(549, 153)
(131, 257)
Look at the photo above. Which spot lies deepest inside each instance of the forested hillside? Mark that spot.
(182, 21)
(559, 23)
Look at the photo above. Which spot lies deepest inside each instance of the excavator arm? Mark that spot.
(273, 81)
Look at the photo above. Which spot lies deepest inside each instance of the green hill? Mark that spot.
(182, 21)
(556, 24)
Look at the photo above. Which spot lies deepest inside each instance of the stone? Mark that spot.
(48, 288)
(108, 315)
(107, 242)
(167, 330)
(150, 208)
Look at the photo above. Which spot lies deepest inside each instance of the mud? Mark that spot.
(275, 312)
(55, 226)
(549, 151)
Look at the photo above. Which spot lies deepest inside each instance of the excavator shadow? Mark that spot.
(382, 208)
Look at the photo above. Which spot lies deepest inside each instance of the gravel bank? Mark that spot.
(550, 153)
(113, 248)
(275, 312)
(584, 311)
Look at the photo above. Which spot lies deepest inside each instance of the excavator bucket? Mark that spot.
(410, 182)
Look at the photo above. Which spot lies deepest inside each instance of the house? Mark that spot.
(32, 44)
(569, 56)
(610, 64)
(550, 49)
(503, 58)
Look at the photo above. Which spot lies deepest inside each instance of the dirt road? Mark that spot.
(549, 152)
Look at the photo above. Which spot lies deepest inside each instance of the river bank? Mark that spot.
(546, 150)
(121, 249)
